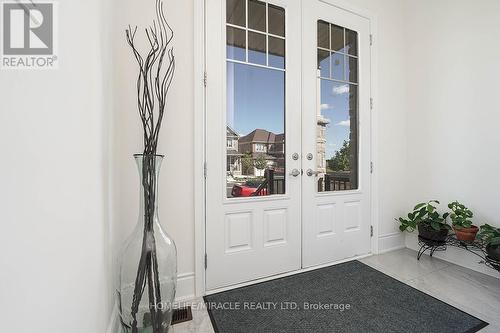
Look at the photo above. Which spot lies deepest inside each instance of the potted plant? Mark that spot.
(491, 236)
(461, 222)
(431, 225)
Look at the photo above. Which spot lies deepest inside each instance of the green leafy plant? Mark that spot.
(424, 213)
(490, 235)
(340, 162)
(260, 162)
(247, 164)
(460, 215)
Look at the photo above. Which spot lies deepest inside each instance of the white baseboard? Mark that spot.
(391, 242)
(185, 286)
(455, 256)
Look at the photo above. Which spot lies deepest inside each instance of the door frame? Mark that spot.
(200, 79)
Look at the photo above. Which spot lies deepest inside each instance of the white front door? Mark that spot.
(253, 205)
(335, 134)
(278, 104)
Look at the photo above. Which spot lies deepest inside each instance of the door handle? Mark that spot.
(295, 173)
(310, 172)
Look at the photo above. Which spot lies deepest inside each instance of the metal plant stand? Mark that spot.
(431, 245)
(476, 247)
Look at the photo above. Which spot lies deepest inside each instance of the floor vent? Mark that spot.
(181, 315)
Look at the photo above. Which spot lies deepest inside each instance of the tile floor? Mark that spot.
(472, 292)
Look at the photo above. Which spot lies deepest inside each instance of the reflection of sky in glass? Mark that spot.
(338, 66)
(335, 107)
(236, 53)
(255, 98)
(324, 63)
(256, 57)
(276, 61)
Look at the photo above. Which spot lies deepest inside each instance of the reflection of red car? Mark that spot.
(248, 189)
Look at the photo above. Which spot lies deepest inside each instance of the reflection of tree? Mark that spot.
(353, 136)
(260, 162)
(341, 160)
(247, 164)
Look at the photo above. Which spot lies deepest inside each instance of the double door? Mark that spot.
(287, 137)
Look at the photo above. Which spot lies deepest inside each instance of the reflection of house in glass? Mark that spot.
(321, 142)
(265, 149)
(233, 164)
(338, 171)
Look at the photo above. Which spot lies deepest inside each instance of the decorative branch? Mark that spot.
(153, 84)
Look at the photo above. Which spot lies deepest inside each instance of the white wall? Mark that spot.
(54, 229)
(390, 115)
(436, 116)
(453, 115)
(176, 197)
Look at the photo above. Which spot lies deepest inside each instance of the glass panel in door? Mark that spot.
(255, 99)
(337, 113)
